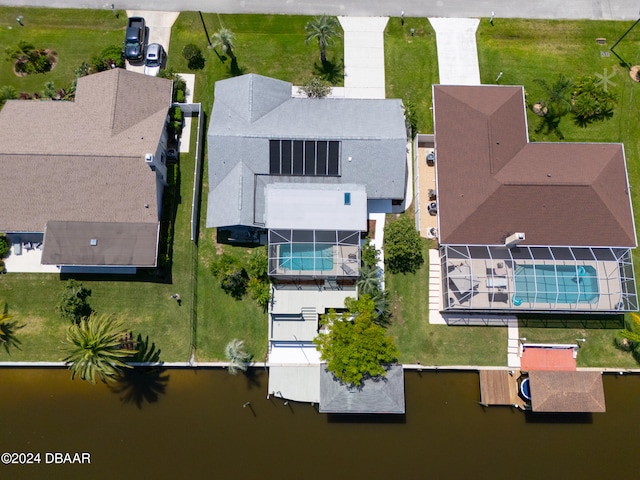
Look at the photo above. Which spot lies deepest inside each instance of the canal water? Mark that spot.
(181, 424)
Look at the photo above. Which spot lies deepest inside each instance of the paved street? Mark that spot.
(589, 9)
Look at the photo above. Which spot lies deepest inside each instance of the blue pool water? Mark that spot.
(306, 256)
(556, 284)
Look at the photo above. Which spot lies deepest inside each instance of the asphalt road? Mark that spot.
(566, 9)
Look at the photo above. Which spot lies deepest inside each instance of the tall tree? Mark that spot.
(325, 30)
(8, 329)
(95, 348)
(225, 38)
(355, 347)
(237, 356)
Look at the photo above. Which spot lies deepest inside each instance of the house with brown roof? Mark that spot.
(527, 226)
(85, 178)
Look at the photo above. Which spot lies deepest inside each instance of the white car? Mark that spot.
(154, 59)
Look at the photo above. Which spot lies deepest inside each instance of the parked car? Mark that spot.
(154, 59)
(135, 39)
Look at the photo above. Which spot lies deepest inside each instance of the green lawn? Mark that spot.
(525, 50)
(411, 66)
(421, 342)
(76, 35)
(273, 45)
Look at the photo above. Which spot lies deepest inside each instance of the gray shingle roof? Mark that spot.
(250, 110)
(379, 395)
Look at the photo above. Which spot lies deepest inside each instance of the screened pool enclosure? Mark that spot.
(314, 253)
(571, 279)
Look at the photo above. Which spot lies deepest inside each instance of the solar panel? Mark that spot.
(297, 157)
(286, 157)
(334, 151)
(274, 157)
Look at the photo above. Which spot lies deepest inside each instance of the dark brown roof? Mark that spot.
(554, 391)
(116, 244)
(492, 182)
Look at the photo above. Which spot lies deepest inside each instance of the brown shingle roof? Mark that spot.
(84, 160)
(492, 182)
(566, 391)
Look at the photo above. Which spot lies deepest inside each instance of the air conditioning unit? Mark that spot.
(148, 158)
(513, 240)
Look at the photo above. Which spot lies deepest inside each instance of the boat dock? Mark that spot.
(500, 387)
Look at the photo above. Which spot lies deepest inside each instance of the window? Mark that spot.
(304, 157)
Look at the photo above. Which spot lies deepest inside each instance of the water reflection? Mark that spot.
(196, 424)
(141, 384)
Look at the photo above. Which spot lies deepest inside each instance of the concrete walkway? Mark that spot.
(364, 56)
(457, 50)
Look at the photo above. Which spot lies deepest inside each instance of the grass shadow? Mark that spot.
(600, 322)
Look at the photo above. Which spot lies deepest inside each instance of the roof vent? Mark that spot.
(513, 240)
(93, 242)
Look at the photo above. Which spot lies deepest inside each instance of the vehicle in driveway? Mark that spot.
(135, 39)
(154, 59)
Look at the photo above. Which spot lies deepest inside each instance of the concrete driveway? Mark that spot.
(159, 25)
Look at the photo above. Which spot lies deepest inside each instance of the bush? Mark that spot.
(110, 57)
(316, 88)
(193, 55)
(402, 246)
(231, 274)
(28, 59)
(370, 255)
(4, 246)
(73, 304)
(179, 85)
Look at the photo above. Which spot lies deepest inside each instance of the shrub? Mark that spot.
(73, 304)
(110, 57)
(179, 85)
(316, 88)
(193, 55)
(4, 246)
(402, 246)
(231, 274)
(370, 255)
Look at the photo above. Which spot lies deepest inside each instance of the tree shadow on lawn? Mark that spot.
(332, 70)
(144, 383)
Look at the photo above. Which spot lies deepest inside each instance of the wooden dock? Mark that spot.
(500, 387)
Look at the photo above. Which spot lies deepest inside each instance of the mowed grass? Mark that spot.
(143, 300)
(441, 345)
(76, 35)
(526, 50)
(270, 45)
(411, 66)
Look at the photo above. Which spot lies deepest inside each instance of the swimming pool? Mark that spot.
(306, 256)
(556, 284)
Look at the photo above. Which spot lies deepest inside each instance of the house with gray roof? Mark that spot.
(302, 174)
(86, 177)
(527, 226)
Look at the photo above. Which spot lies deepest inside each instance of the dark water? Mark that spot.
(198, 428)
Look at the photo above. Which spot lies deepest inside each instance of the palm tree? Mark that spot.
(8, 329)
(238, 358)
(224, 39)
(95, 348)
(325, 30)
(369, 281)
